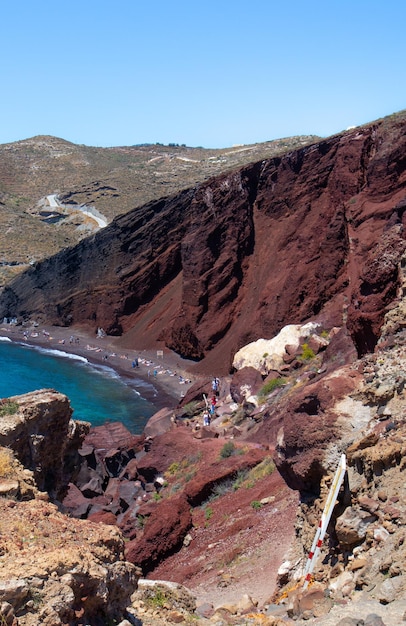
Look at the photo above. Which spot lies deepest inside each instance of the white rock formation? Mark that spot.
(267, 354)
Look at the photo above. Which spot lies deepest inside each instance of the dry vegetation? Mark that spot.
(6, 463)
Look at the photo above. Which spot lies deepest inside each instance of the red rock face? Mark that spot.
(309, 425)
(317, 233)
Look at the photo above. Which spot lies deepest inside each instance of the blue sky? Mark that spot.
(210, 73)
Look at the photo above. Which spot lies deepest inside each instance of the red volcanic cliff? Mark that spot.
(315, 233)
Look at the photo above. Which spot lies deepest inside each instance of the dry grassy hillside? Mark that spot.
(112, 180)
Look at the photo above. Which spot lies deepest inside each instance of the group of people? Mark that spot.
(211, 406)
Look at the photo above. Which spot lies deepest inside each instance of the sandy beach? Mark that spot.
(168, 378)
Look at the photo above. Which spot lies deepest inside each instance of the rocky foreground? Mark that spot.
(224, 514)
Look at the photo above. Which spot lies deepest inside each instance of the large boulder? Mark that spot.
(159, 423)
(111, 436)
(351, 527)
(267, 354)
(163, 534)
(245, 382)
(196, 392)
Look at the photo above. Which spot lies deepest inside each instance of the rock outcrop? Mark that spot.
(60, 570)
(31, 424)
(53, 569)
(199, 511)
(315, 234)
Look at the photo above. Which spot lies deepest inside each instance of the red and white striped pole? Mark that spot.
(325, 518)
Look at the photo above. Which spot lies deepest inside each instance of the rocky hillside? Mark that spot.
(316, 233)
(111, 180)
(286, 278)
(230, 509)
(218, 519)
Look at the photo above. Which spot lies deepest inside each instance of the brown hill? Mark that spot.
(112, 180)
(317, 232)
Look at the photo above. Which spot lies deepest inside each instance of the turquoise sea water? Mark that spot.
(96, 393)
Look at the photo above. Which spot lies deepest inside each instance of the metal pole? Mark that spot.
(325, 518)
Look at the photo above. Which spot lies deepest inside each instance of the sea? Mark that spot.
(97, 394)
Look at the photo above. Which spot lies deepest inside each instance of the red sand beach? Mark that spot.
(164, 369)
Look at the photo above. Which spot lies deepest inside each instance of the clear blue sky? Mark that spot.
(210, 73)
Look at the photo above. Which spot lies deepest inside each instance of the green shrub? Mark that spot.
(256, 504)
(239, 416)
(221, 489)
(141, 521)
(248, 478)
(307, 353)
(241, 477)
(173, 468)
(208, 513)
(175, 488)
(190, 475)
(7, 407)
(191, 408)
(178, 467)
(227, 450)
(156, 598)
(263, 469)
(271, 385)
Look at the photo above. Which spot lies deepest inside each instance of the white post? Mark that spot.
(325, 518)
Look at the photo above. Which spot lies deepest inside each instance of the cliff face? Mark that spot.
(38, 419)
(317, 233)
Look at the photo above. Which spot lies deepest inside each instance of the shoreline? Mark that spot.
(167, 383)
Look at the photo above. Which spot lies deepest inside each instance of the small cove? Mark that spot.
(96, 392)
